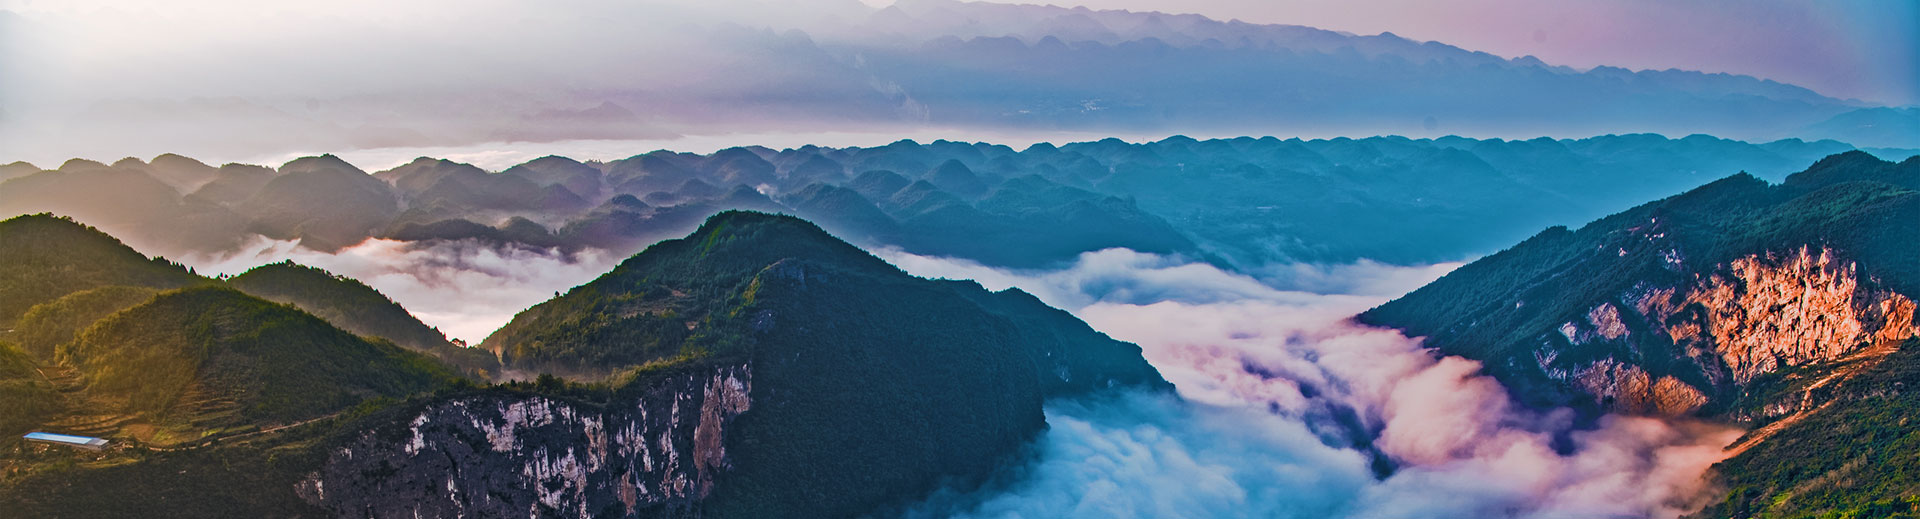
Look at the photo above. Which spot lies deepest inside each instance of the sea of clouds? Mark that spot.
(465, 288)
(1288, 408)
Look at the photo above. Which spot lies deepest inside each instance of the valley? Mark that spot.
(754, 312)
(932, 259)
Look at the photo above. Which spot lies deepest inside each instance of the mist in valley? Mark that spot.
(1286, 408)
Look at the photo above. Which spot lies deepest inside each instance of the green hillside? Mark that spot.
(208, 358)
(676, 293)
(44, 257)
(1677, 287)
(112, 354)
(1505, 308)
(936, 380)
(1856, 458)
(168, 377)
(48, 325)
(869, 388)
(25, 398)
(355, 307)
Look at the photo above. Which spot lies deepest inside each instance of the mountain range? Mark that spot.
(728, 372)
(1241, 202)
(1059, 67)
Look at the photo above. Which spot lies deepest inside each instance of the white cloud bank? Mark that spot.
(464, 288)
(1281, 397)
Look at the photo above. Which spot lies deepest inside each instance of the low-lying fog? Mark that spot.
(464, 288)
(1277, 388)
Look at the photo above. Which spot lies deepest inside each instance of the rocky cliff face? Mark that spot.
(1702, 303)
(843, 386)
(655, 452)
(1756, 315)
(1767, 313)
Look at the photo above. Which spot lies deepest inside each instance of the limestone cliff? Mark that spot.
(869, 387)
(1756, 315)
(648, 454)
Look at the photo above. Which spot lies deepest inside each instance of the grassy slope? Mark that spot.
(668, 298)
(347, 302)
(1859, 457)
(48, 325)
(44, 257)
(273, 362)
(25, 398)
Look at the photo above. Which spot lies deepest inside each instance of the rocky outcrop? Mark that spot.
(652, 452)
(1768, 313)
(1756, 315)
(871, 387)
(1632, 390)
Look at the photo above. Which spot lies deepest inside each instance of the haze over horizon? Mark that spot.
(234, 81)
(1867, 50)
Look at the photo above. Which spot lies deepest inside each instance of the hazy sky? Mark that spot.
(1863, 49)
(236, 79)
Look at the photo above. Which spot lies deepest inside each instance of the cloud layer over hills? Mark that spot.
(1289, 409)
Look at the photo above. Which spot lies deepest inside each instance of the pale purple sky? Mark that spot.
(1864, 49)
(108, 78)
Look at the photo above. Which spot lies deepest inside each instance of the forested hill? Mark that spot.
(943, 376)
(1242, 202)
(1789, 307)
(356, 307)
(44, 257)
(754, 367)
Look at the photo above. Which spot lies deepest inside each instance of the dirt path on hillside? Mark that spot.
(1857, 362)
(237, 439)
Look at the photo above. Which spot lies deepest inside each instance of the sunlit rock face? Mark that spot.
(1768, 313)
(1632, 390)
(1756, 315)
(531, 456)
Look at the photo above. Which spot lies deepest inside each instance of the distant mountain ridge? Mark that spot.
(1240, 202)
(1051, 27)
(988, 68)
(1112, 70)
